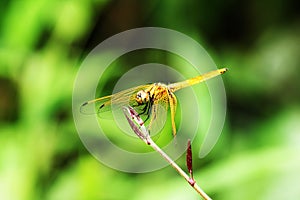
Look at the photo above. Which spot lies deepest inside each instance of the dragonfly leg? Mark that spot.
(148, 110)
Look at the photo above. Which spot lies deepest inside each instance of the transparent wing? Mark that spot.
(115, 101)
(159, 111)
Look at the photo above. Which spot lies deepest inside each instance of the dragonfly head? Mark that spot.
(142, 97)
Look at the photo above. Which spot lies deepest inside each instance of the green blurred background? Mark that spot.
(42, 44)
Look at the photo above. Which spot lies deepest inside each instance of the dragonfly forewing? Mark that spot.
(101, 106)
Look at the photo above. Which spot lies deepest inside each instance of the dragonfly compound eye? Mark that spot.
(142, 97)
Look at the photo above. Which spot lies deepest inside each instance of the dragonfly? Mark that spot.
(149, 99)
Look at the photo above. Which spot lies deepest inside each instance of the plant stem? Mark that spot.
(177, 168)
(143, 134)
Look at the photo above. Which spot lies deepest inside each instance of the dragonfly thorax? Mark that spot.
(142, 97)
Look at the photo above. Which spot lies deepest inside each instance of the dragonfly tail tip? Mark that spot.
(223, 70)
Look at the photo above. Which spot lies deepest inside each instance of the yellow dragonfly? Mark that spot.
(148, 99)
